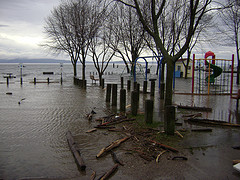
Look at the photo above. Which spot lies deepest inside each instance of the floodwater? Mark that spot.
(35, 118)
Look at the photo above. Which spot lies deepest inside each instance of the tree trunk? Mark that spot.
(83, 71)
(158, 65)
(162, 72)
(74, 69)
(238, 70)
(132, 68)
(100, 78)
(169, 81)
(83, 64)
(186, 65)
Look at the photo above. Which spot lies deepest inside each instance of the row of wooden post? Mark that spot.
(112, 91)
(169, 115)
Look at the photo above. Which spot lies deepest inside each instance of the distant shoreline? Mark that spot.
(44, 61)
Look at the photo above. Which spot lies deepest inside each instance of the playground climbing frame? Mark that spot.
(212, 76)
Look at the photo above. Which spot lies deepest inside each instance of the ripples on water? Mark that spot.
(33, 142)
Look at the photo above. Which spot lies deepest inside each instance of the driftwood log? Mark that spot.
(109, 173)
(93, 175)
(193, 115)
(159, 155)
(212, 122)
(91, 130)
(179, 134)
(111, 146)
(75, 152)
(114, 121)
(164, 146)
(195, 108)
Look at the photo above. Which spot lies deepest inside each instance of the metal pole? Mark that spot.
(61, 66)
(193, 66)
(231, 87)
(21, 68)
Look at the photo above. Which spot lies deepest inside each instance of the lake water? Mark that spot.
(35, 118)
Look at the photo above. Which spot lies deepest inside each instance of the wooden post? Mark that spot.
(114, 95)
(152, 87)
(134, 102)
(123, 100)
(145, 87)
(162, 87)
(169, 120)
(121, 82)
(102, 84)
(108, 93)
(138, 91)
(135, 86)
(7, 80)
(148, 111)
(129, 85)
(21, 80)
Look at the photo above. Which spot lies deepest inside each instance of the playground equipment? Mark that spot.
(212, 76)
(216, 70)
(146, 67)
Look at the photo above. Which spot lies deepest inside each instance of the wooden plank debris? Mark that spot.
(75, 152)
(179, 134)
(212, 122)
(109, 173)
(164, 146)
(93, 175)
(195, 108)
(159, 155)
(91, 130)
(144, 155)
(111, 146)
(193, 115)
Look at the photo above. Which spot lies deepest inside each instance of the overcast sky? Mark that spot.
(21, 30)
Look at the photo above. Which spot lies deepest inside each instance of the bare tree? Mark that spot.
(231, 19)
(59, 33)
(101, 52)
(71, 27)
(182, 13)
(201, 35)
(128, 34)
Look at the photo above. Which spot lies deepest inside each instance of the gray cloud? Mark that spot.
(3, 25)
(21, 24)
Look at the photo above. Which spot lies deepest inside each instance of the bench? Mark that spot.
(93, 79)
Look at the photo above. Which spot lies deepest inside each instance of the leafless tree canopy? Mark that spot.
(71, 27)
(231, 26)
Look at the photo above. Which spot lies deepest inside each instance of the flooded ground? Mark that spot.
(35, 118)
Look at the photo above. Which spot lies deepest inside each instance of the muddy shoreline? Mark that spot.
(199, 157)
